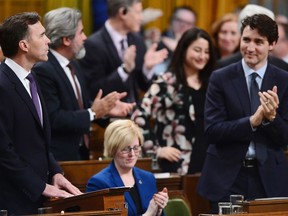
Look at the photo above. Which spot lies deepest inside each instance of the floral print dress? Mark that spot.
(171, 111)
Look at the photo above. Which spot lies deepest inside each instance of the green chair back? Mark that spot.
(177, 207)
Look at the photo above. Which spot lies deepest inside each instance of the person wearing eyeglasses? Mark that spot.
(183, 18)
(122, 142)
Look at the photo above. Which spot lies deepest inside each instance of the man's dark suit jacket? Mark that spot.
(68, 122)
(102, 60)
(25, 162)
(228, 130)
(237, 57)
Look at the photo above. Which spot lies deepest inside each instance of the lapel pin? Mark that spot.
(140, 182)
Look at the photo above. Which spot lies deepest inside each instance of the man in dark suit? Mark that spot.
(71, 114)
(28, 171)
(116, 57)
(245, 155)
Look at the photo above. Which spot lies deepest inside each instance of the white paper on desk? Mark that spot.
(272, 198)
(162, 175)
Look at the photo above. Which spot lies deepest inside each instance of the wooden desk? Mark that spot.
(78, 172)
(260, 206)
(198, 204)
(188, 185)
(173, 182)
(280, 213)
(84, 213)
(101, 200)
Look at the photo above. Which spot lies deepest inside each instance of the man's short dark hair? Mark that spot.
(15, 29)
(265, 26)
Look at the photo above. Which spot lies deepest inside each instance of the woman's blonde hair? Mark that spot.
(120, 133)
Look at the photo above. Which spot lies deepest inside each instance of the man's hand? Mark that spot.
(153, 57)
(257, 118)
(129, 58)
(170, 43)
(102, 106)
(121, 109)
(170, 153)
(270, 102)
(60, 187)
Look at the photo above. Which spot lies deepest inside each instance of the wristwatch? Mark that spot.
(94, 114)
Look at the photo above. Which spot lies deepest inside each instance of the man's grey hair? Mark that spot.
(252, 9)
(61, 22)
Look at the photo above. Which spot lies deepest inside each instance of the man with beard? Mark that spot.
(64, 89)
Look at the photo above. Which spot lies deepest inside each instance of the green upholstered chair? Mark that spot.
(177, 207)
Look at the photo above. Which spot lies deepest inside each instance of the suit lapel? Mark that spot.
(240, 86)
(111, 47)
(82, 84)
(269, 79)
(22, 92)
(64, 78)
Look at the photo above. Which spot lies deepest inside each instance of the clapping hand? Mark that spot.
(270, 102)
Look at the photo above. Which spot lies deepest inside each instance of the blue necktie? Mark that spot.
(34, 95)
(260, 148)
(254, 97)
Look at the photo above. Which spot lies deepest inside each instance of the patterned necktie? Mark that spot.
(34, 94)
(260, 148)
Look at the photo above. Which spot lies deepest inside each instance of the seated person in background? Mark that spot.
(226, 35)
(65, 93)
(116, 57)
(175, 103)
(281, 47)
(122, 142)
(182, 19)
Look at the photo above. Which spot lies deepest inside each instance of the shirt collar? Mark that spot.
(248, 71)
(20, 72)
(63, 61)
(115, 36)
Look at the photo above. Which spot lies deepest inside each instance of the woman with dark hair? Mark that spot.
(175, 105)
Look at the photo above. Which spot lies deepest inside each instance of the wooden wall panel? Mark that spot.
(10, 7)
(208, 10)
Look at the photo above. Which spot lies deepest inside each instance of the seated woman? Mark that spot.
(122, 142)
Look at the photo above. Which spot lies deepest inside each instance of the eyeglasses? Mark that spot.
(129, 149)
(187, 23)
